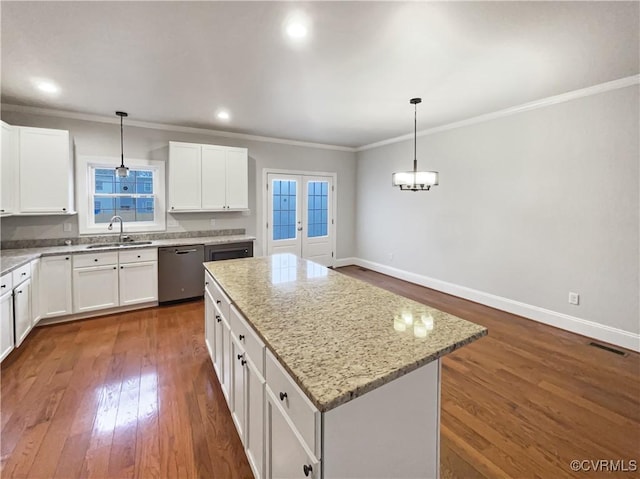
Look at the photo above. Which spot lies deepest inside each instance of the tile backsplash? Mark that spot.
(38, 243)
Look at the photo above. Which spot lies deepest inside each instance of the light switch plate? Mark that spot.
(66, 227)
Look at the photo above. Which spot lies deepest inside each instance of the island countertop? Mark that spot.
(337, 336)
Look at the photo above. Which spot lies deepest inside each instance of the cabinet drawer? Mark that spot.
(6, 283)
(20, 274)
(138, 255)
(219, 298)
(245, 335)
(95, 259)
(301, 412)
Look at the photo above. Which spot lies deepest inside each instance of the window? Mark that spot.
(138, 199)
(131, 198)
(317, 218)
(284, 209)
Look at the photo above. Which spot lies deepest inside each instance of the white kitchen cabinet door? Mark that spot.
(237, 178)
(219, 357)
(254, 428)
(210, 327)
(184, 177)
(55, 287)
(286, 455)
(45, 171)
(238, 405)
(214, 185)
(22, 310)
(8, 167)
(95, 288)
(35, 292)
(6, 324)
(138, 283)
(226, 361)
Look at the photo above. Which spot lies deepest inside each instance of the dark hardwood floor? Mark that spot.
(127, 395)
(527, 399)
(135, 395)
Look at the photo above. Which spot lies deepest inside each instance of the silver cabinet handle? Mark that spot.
(185, 251)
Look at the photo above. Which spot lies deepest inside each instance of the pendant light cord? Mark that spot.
(415, 137)
(121, 144)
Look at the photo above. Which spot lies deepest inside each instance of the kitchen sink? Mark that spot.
(118, 245)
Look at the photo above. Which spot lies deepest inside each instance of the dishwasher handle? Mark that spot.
(185, 251)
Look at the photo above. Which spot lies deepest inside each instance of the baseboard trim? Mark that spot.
(94, 314)
(340, 262)
(591, 329)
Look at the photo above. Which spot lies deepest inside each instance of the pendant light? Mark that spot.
(122, 171)
(415, 180)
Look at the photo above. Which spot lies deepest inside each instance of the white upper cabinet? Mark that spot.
(8, 173)
(207, 178)
(45, 171)
(184, 177)
(214, 179)
(237, 178)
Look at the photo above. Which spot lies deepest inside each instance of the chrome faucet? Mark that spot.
(110, 227)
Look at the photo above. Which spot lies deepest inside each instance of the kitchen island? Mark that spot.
(325, 375)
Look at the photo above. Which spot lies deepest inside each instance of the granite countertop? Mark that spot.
(11, 259)
(338, 337)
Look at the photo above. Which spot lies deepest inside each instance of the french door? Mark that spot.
(300, 216)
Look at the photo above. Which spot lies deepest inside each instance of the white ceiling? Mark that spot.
(349, 84)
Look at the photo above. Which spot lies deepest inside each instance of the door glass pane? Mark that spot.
(284, 209)
(317, 217)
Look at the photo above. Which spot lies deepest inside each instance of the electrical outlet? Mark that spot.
(213, 222)
(66, 227)
(171, 222)
(390, 256)
(574, 298)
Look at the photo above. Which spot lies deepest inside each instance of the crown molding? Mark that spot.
(32, 110)
(552, 100)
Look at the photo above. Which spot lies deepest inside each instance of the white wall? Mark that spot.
(95, 138)
(529, 207)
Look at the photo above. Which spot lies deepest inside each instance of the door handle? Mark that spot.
(185, 251)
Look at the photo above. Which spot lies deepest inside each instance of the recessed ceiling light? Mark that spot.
(296, 30)
(223, 115)
(47, 86)
(297, 26)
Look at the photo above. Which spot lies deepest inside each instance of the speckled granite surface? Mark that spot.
(338, 337)
(13, 258)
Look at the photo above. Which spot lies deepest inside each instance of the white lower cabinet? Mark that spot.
(35, 291)
(95, 288)
(238, 399)
(254, 430)
(6, 316)
(138, 283)
(22, 310)
(55, 286)
(238, 359)
(111, 279)
(210, 326)
(287, 455)
(226, 358)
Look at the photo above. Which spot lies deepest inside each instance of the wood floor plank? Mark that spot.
(135, 395)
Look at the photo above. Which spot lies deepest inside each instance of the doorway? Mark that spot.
(300, 215)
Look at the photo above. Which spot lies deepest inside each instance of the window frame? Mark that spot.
(85, 194)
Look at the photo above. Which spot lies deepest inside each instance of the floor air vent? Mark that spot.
(608, 348)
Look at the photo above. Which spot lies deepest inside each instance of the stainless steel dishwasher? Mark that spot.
(180, 273)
